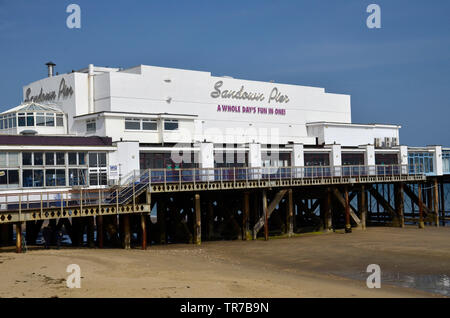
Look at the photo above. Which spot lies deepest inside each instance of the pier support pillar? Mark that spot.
(290, 215)
(90, 231)
(126, 231)
(399, 199)
(266, 216)
(348, 226)
(210, 220)
(161, 219)
(144, 217)
(421, 223)
(197, 224)
(18, 237)
(99, 226)
(442, 203)
(436, 202)
(246, 235)
(328, 220)
(362, 202)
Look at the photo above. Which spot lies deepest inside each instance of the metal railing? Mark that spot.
(139, 180)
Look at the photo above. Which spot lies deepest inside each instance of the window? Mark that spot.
(77, 177)
(13, 178)
(93, 160)
(50, 177)
(72, 158)
(3, 161)
(30, 119)
(170, 124)
(133, 123)
(1, 122)
(102, 159)
(59, 120)
(60, 160)
(421, 162)
(13, 159)
(81, 158)
(149, 124)
(91, 125)
(60, 177)
(26, 159)
(21, 119)
(49, 158)
(38, 158)
(50, 120)
(40, 119)
(446, 161)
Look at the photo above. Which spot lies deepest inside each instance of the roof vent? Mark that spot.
(50, 67)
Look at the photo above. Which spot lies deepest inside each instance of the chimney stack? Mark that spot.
(50, 66)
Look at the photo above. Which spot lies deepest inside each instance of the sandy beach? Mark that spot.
(414, 263)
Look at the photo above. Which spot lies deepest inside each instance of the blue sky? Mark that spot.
(397, 74)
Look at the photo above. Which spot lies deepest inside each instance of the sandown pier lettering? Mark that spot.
(64, 91)
(274, 96)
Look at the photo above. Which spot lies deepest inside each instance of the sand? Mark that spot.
(311, 265)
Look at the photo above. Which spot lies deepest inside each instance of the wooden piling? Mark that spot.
(144, 217)
(99, 226)
(266, 215)
(290, 214)
(18, 237)
(126, 231)
(442, 204)
(436, 202)
(197, 224)
(246, 235)
(90, 231)
(328, 221)
(348, 226)
(161, 219)
(421, 223)
(362, 202)
(210, 220)
(399, 201)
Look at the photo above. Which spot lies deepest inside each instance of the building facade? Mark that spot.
(97, 126)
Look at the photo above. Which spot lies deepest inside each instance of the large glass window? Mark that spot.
(38, 158)
(13, 159)
(59, 120)
(30, 119)
(3, 159)
(170, 124)
(352, 159)
(26, 159)
(421, 162)
(50, 177)
(49, 158)
(446, 161)
(132, 123)
(149, 124)
(38, 178)
(317, 159)
(81, 158)
(40, 119)
(72, 158)
(91, 125)
(21, 119)
(60, 177)
(49, 119)
(60, 160)
(77, 177)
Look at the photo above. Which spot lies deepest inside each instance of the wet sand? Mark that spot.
(311, 265)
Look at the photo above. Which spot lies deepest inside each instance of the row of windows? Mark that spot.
(11, 159)
(421, 162)
(31, 119)
(32, 178)
(446, 161)
(137, 124)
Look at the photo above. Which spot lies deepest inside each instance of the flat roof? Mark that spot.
(55, 140)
